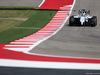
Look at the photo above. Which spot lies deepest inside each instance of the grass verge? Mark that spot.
(16, 8)
(38, 20)
(8, 24)
(16, 13)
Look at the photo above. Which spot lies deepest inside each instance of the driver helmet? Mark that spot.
(83, 13)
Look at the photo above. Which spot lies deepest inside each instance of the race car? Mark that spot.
(83, 18)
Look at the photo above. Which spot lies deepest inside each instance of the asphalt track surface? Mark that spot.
(20, 2)
(39, 71)
(76, 41)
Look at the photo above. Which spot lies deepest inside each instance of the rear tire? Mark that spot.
(94, 21)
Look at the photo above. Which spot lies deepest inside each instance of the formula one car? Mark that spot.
(83, 18)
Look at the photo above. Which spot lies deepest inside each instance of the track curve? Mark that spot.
(75, 41)
(30, 59)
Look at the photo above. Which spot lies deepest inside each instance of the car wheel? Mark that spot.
(94, 21)
(71, 20)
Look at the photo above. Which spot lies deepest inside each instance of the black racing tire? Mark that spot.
(94, 21)
(71, 21)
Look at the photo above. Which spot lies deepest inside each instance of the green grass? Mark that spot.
(17, 7)
(8, 24)
(16, 13)
(38, 20)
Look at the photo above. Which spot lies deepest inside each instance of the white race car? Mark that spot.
(83, 18)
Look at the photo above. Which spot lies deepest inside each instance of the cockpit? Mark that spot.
(84, 12)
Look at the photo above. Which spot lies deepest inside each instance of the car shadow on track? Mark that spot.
(79, 25)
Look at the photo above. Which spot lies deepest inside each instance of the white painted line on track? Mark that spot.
(18, 45)
(27, 39)
(22, 42)
(41, 3)
(17, 49)
(50, 65)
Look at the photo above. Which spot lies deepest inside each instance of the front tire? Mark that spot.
(71, 21)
